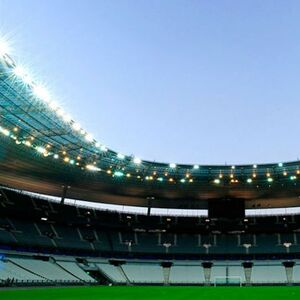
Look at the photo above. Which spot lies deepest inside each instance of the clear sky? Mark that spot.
(175, 81)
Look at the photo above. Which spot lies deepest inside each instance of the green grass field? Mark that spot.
(155, 293)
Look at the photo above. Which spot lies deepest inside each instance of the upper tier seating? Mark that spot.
(42, 225)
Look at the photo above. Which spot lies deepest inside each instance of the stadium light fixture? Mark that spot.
(76, 126)
(118, 173)
(41, 150)
(5, 131)
(137, 160)
(53, 105)
(89, 137)
(21, 73)
(120, 156)
(67, 118)
(41, 92)
(280, 165)
(196, 167)
(172, 165)
(92, 168)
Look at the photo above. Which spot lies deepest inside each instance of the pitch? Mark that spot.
(153, 293)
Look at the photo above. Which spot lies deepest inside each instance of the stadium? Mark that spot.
(79, 219)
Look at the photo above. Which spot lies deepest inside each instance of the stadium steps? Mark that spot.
(76, 270)
(166, 274)
(111, 272)
(121, 270)
(25, 269)
(42, 235)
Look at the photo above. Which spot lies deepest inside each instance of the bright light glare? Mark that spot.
(4, 48)
(118, 174)
(5, 131)
(53, 105)
(89, 137)
(121, 156)
(41, 92)
(137, 160)
(67, 118)
(172, 165)
(93, 168)
(76, 126)
(41, 150)
(60, 112)
(20, 72)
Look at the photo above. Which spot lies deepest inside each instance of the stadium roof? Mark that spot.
(43, 149)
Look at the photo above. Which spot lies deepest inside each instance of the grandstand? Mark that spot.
(138, 222)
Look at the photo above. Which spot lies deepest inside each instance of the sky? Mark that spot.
(207, 82)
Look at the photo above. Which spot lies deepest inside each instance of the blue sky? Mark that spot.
(175, 81)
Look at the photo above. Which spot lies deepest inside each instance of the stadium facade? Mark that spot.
(45, 241)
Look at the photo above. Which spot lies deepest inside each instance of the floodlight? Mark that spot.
(67, 118)
(137, 160)
(41, 92)
(76, 126)
(92, 168)
(40, 150)
(89, 137)
(53, 105)
(120, 156)
(118, 174)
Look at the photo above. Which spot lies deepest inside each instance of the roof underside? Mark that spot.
(29, 124)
